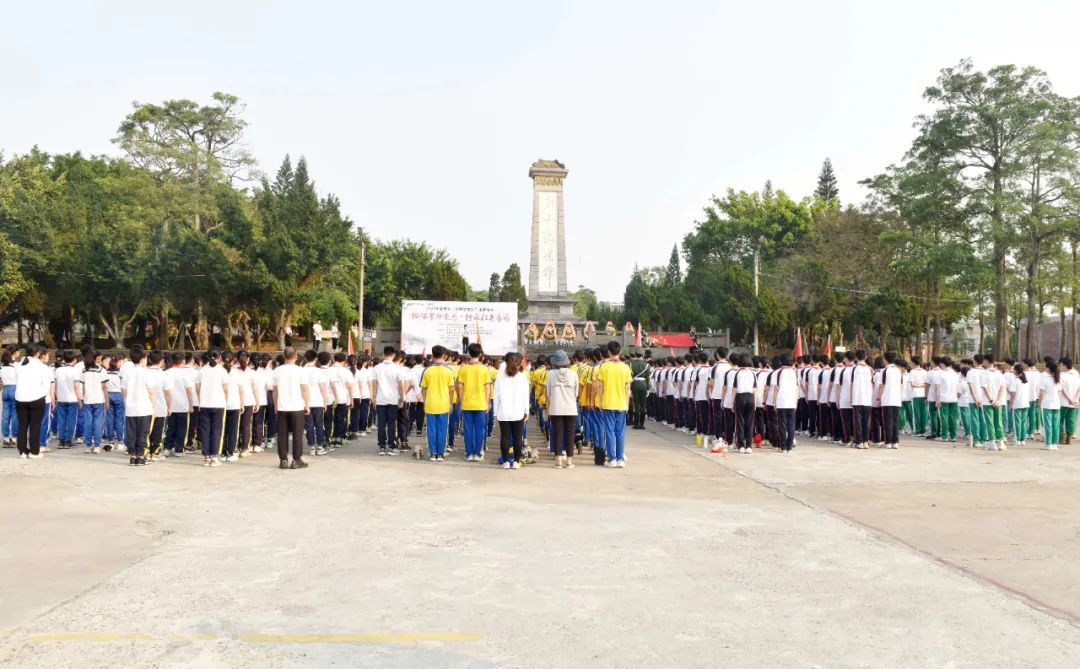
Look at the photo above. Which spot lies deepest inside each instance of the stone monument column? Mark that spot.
(548, 295)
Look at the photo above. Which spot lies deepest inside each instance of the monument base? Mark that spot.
(544, 309)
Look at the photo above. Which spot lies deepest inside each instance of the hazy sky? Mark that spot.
(423, 117)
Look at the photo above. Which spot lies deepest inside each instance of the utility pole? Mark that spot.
(757, 265)
(360, 300)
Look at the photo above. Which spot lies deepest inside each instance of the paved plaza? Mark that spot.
(929, 556)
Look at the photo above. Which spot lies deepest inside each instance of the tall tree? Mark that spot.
(826, 182)
(673, 273)
(494, 287)
(982, 128)
(513, 290)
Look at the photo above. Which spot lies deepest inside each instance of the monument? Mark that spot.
(548, 298)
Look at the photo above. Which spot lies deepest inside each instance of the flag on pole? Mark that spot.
(351, 347)
(637, 336)
(798, 344)
(828, 346)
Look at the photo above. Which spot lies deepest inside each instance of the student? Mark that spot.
(116, 420)
(1050, 403)
(1070, 399)
(785, 399)
(613, 378)
(316, 332)
(139, 409)
(257, 374)
(34, 389)
(978, 421)
(90, 390)
(861, 400)
(742, 386)
(890, 396)
(1019, 399)
(335, 334)
(340, 382)
(212, 391)
(436, 386)
(917, 380)
(716, 392)
(314, 420)
(289, 395)
(947, 398)
(9, 422)
(474, 393)
(994, 401)
(810, 388)
(639, 389)
(389, 399)
(511, 404)
(181, 400)
(562, 393)
(67, 404)
(365, 383)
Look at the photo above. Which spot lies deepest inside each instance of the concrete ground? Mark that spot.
(928, 556)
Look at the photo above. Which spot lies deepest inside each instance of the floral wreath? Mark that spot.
(568, 332)
(590, 329)
(610, 330)
(531, 333)
(549, 331)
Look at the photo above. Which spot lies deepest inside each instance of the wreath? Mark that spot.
(568, 332)
(590, 329)
(531, 333)
(549, 331)
(610, 330)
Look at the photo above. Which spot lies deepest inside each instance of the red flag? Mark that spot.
(351, 349)
(798, 344)
(637, 336)
(828, 346)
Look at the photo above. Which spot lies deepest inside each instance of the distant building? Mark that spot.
(1047, 335)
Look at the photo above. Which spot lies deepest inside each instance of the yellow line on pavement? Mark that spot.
(106, 637)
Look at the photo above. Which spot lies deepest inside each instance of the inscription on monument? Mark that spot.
(548, 242)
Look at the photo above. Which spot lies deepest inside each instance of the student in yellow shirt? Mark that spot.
(613, 387)
(474, 395)
(436, 386)
(455, 404)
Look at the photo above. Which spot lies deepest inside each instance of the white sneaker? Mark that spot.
(515, 465)
(31, 456)
(610, 463)
(233, 458)
(620, 463)
(89, 450)
(1002, 446)
(214, 462)
(320, 451)
(505, 465)
(257, 449)
(23, 456)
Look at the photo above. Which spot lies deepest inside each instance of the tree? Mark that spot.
(673, 273)
(494, 288)
(981, 130)
(826, 183)
(639, 300)
(12, 282)
(512, 289)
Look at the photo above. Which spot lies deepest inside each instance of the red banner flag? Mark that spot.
(828, 346)
(798, 344)
(637, 336)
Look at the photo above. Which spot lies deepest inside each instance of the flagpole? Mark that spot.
(360, 300)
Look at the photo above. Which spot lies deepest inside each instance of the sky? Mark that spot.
(423, 117)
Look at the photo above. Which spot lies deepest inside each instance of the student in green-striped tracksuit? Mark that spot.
(1019, 400)
(1070, 399)
(946, 396)
(1034, 377)
(975, 410)
(917, 379)
(964, 404)
(994, 401)
(907, 417)
(1050, 404)
(932, 401)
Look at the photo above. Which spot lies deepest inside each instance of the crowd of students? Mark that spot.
(741, 401)
(153, 404)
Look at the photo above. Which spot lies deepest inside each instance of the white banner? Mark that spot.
(493, 324)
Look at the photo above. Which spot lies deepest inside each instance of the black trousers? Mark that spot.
(800, 414)
(773, 426)
(176, 431)
(730, 422)
(785, 428)
(563, 434)
(247, 417)
(862, 423)
(847, 426)
(138, 435)
(876, 429)
(510, 436)
(232, 432)
(744, 412)
(812, 418)
(354, 416)
(341, 421)
(290, 423)
(669, 409)
(839, 429)
(30, 416)
(404, 424)
(258, 426)
(386, 417)
(270, 415)
(211, 430)
(890, 418)
(157, 433)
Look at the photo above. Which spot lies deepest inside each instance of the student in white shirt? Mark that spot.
(157, 384)
(1070, 399)
(335, 334)
(890, 397)
(256, 375)
(388, 400)
(948, 387)
(341, 382)
(115, 418)
(744, 382)
(978, 421)
(1050, 403)
(234, 406)
(67, 404)
(181, 400)
(918, 396)
(244, 373)
(289, 385)
(138, 407)
(316, 333)
(785, 399)
(90, 389)
(212, 392)
(265, 420)
(9, 425)
(994, 401)
(318, 399)
(1019, 400)
(862, 391)
(364, 383)
(1034, 377)
(716, 396)
(33, 391)
(511, 405)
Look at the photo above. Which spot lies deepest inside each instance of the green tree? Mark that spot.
(673, 273)
(639, 299)
(494, 287)
(826, 183)
(513, 290)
